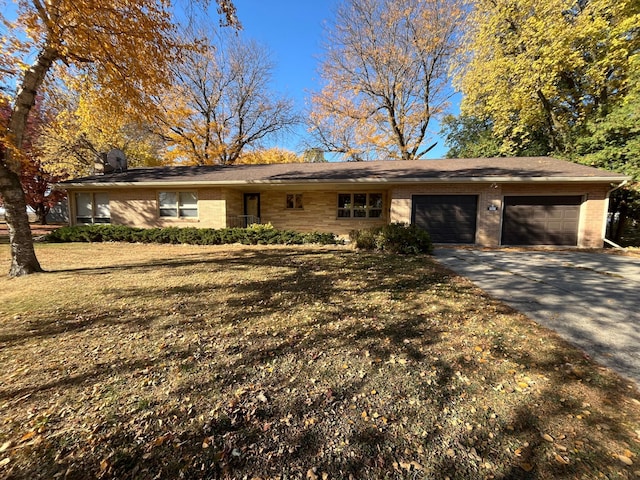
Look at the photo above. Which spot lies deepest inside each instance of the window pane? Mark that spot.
(83, 206)
(298, 201)
(168, 204)
(188, 212)
(344, 213)
(290, 201)
(344, 200)
(168, 212)
(167, 199)
(188, 199)
(359, 204)
(375, 205)
(375, 200)
(102, 206)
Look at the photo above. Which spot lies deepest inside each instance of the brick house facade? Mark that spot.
(485, 202)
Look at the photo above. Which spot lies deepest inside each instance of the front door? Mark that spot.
(251, 209)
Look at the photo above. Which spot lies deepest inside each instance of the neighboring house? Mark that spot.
(486, 202)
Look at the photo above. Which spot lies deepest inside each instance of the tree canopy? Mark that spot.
(554, 77)
(222, 102)
(545, 67)
(84, 126)
(385, 75)
(126, 46)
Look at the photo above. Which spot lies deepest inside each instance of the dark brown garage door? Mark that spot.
(447, 218)
(541, 220)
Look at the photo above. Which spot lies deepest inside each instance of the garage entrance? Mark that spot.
(547, 220)
(447, 218)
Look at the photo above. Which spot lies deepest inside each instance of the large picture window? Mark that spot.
(178, 204)
(92, 208)
(359, 205)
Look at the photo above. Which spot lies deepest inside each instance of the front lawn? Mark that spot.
(163, 361)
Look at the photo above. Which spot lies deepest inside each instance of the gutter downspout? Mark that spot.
(606, 216)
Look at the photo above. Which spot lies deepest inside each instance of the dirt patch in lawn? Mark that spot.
(146, 361)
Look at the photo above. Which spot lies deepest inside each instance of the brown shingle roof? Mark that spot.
(457, 170)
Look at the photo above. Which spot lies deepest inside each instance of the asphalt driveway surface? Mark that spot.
(591, 299)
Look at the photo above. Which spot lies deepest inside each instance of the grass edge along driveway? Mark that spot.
(150, 361)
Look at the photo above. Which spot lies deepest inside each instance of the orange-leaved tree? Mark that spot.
(37, 181)
(385, 73)
(270, 155)
(222, 103)
(128, 47)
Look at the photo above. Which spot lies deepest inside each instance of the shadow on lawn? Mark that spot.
(283, 422)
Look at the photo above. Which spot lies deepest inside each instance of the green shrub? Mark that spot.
(394, 238)
(254, 235)
(364, 239)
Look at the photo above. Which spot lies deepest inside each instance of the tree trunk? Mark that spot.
(41, 213)
(23, 256)
(622, 221)
(551, 124)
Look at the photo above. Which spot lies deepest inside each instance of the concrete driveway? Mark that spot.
(591, 299)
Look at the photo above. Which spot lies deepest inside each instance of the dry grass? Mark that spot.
(142, 361)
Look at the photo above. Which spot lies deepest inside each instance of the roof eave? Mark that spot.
(351, 181)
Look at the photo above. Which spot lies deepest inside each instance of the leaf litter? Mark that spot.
(239, 362)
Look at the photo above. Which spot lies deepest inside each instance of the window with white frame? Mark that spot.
(92, 207)
(359, 205)
(294, 201)
(178, 204)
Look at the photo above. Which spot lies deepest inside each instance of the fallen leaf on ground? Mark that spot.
(28, 436)
(624, 459)
(527, 467)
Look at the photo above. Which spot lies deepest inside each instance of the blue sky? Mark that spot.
(293, 31)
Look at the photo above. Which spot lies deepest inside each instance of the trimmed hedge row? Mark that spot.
(393, 238)
(254, 235)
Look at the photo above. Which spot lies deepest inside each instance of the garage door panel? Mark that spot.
(447, 218)
(550, 220)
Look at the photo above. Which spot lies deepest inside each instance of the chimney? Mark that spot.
(98, 166)
(101, 165)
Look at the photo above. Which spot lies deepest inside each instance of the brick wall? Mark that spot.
(319, 212)
(489, 222)
(217, 207)
(139, 207)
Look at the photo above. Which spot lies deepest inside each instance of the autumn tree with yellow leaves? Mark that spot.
(127, 46)
(221, 103)
(385, 74)
(543, 68)
(86, 126)
(270, 155)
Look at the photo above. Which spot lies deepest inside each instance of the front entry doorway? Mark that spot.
(251, 209)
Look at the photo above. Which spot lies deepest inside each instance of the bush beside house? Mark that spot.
(393, 238)
(254, 235)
